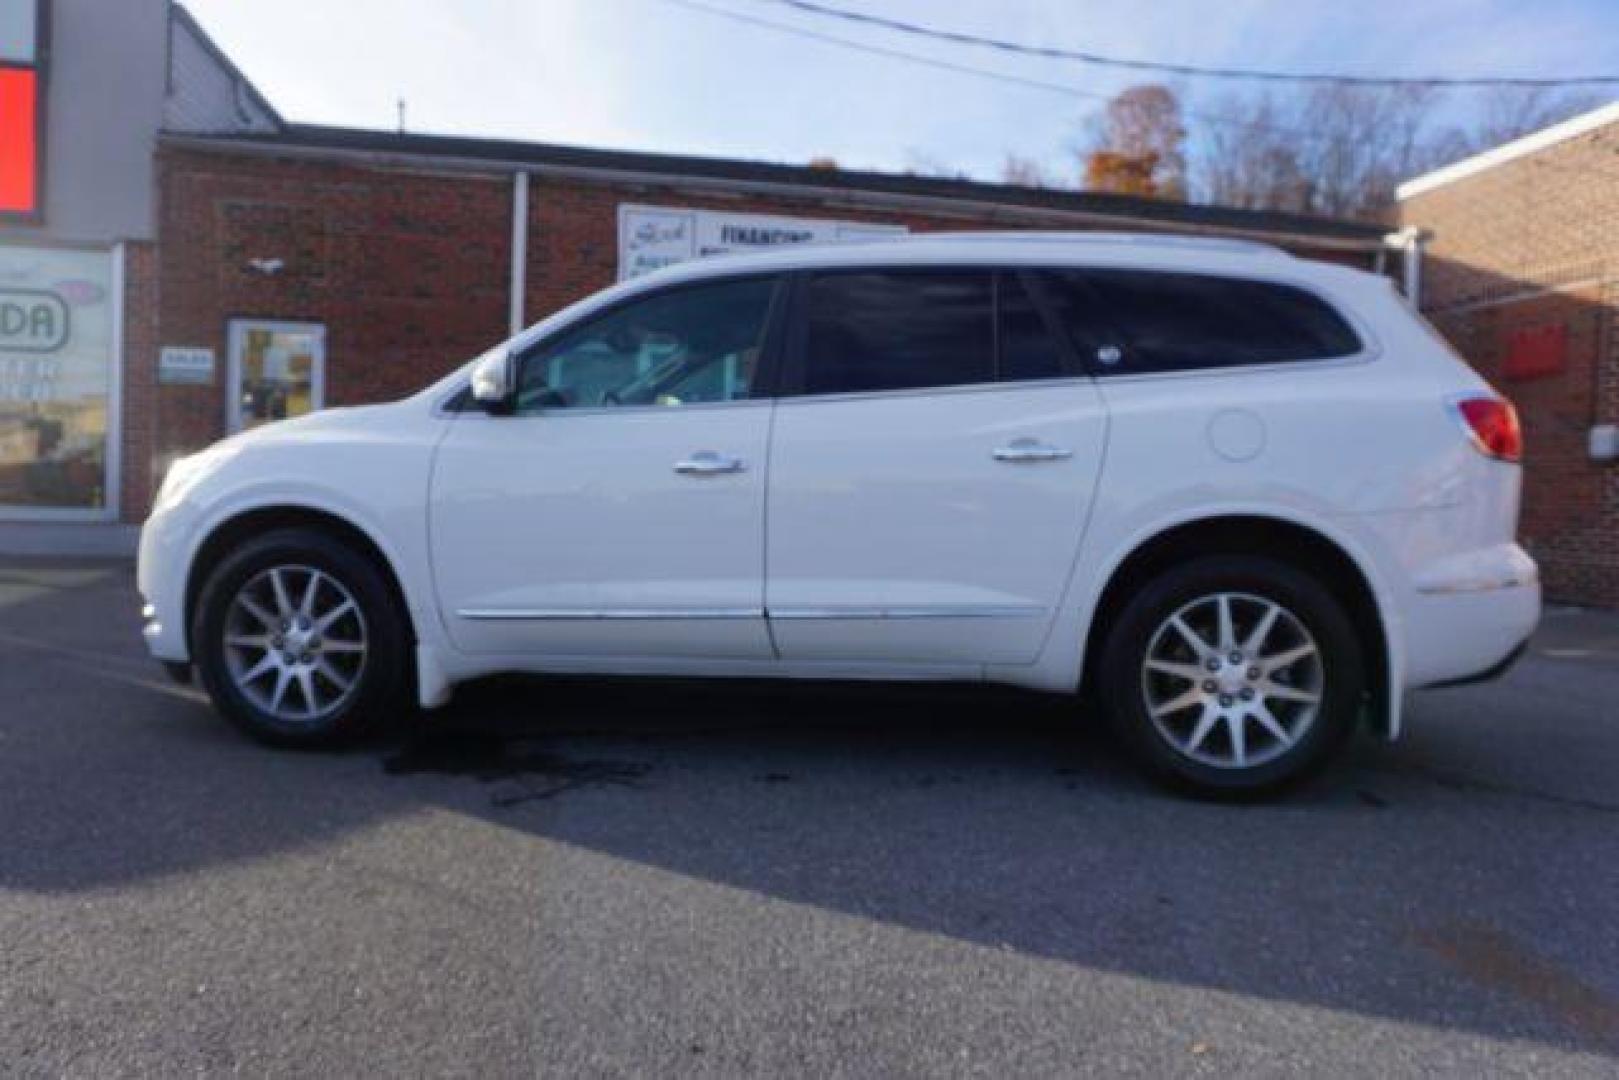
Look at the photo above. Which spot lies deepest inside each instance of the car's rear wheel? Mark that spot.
(299, 640)
(1233, 676)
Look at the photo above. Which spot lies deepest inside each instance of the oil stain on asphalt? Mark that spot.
(533, 773)
(1495, 959)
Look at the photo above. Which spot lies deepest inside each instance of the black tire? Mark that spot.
(1122, 676)
(381, 682)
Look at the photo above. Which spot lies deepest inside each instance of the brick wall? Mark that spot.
(142, 305)
(573, 229)
(1528, 247)
(406, 268)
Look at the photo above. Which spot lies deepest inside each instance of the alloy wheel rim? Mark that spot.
(1232, 680)
(295, 643)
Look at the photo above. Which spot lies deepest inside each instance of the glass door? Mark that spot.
(277, 371)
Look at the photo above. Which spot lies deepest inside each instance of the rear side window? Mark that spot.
(1158, 321)
(914, 329)
(1027, 349)
(898, 330)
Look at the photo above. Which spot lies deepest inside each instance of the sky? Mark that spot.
(662, 75)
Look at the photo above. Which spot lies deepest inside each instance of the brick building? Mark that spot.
(1521, 273)
(221, 267)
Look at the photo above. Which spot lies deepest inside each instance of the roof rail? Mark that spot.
(1100, 237)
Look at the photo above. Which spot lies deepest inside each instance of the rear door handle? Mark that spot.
(1031, 450)
(708, 463)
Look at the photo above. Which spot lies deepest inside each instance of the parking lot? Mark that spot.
(604, 878)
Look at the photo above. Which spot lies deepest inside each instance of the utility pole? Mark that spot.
(401, 107)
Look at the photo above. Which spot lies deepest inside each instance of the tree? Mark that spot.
(1025, 172)
(1511, 112)
(824, 162)
(921, 163)
(1356, 143)
(1341, 150)
(1253, 162)
(1138, 145)
(1336, 150)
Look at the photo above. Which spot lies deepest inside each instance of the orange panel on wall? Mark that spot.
(19, 141)
(1534, 352)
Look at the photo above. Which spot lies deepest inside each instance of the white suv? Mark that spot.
(1245, 501)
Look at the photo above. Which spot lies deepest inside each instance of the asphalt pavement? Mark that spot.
(578, 877)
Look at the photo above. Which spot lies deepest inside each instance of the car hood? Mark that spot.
(357, 420)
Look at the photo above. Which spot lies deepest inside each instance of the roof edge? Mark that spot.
(1510, 151)
(318, 140)
(177, 11)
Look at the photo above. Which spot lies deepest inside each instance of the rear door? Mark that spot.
(933, 462)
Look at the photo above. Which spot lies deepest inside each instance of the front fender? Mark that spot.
(376, 486)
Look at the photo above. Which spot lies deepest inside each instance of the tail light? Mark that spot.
(1492, 423)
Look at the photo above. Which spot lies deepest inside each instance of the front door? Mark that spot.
(619, 510)
(277, 371)
(932, 474)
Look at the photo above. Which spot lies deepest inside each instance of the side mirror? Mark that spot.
(494, 379)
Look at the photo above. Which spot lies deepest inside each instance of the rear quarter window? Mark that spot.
(1147, 321)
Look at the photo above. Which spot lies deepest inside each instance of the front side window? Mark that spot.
(691, 345)
(898, 330)
(1158, 321)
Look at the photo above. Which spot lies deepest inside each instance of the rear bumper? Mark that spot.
(1471, 616)
(1489, 674)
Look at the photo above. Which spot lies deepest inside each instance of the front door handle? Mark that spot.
(1031, 450)
(708, 463)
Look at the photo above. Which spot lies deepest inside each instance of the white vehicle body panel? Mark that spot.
(573, 534)
(897, 535)
(961, 567)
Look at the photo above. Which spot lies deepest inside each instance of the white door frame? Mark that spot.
(233, 376)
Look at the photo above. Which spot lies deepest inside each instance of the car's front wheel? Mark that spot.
(299, 639)
(1231, 675)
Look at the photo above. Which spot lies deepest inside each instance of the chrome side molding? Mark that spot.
(584, 615)
(791, 613)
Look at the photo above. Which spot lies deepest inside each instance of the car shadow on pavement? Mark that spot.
(986, 816)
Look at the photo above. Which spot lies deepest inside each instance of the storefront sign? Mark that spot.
(180, 366)
(650, 237)
(56, 355)
(32, 321)
(22, 108)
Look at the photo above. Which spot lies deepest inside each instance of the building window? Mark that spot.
(58, 344)
(277, 371)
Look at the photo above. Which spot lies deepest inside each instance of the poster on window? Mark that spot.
(652, 237)
(56, 356)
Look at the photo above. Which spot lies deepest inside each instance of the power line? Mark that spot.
(967, 69)
(893, 54)
(1304, 134)
(1191, 70)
